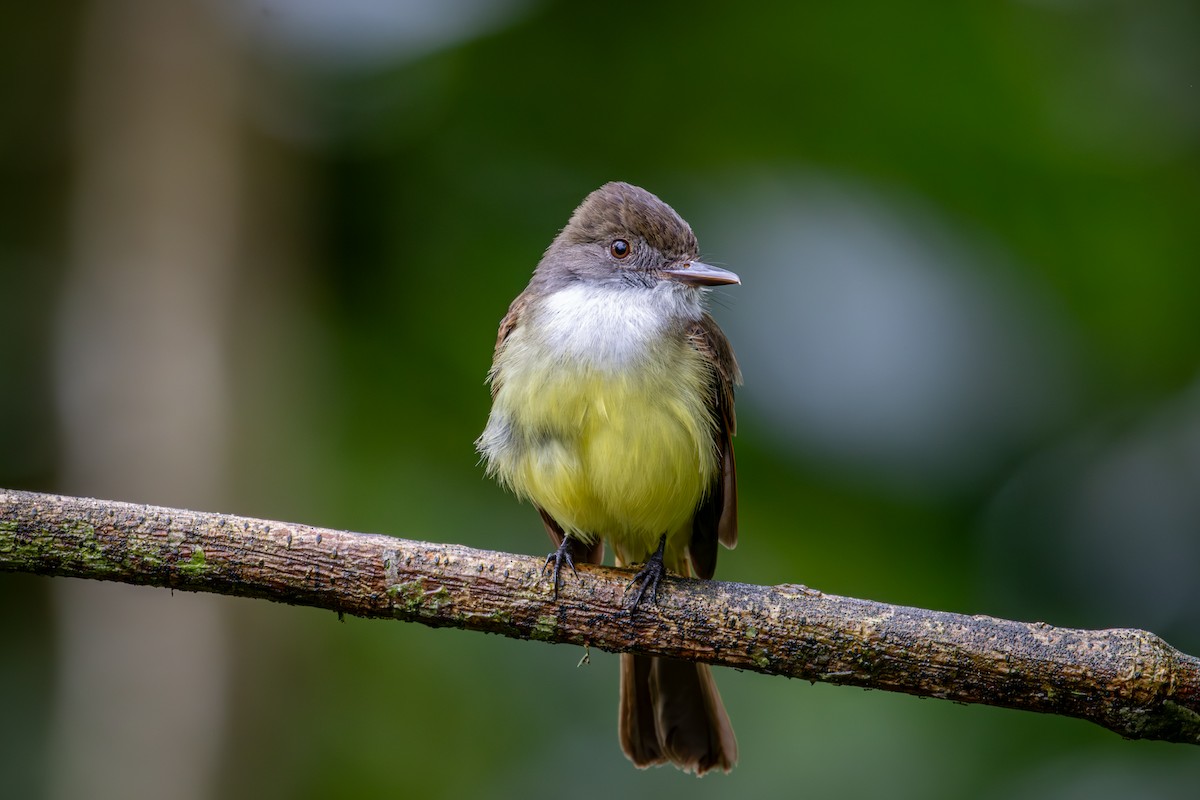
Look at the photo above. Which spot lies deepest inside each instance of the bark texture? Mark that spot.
(1129, 681)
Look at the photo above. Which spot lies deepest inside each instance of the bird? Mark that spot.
(613, 415)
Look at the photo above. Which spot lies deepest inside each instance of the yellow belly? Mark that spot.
(625, 455)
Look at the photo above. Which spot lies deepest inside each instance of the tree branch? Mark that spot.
(1129, 681)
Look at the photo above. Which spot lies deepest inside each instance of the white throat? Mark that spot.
(607, 325)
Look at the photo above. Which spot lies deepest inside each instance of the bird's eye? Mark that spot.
(619, 248)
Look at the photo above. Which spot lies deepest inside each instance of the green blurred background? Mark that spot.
(253, 257)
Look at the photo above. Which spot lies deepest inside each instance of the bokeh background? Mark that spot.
(252, 258)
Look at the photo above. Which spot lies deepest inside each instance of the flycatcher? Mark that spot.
(612, 412)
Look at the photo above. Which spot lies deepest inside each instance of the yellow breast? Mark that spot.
(625, 453)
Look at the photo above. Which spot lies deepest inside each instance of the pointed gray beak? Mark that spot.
(695, 273)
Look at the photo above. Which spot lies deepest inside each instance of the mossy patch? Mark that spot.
(195, 566)
(545, 628)
(412, 597)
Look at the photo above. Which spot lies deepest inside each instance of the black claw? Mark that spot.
(561, 553)
(649, 576)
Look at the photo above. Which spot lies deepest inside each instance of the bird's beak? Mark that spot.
(695, 273)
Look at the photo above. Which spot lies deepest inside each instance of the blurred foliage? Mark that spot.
(395, 204)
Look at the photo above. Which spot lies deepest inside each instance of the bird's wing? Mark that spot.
(507, 325)
(716, 518)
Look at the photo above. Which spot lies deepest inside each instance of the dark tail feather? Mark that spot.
(635, 723)
(671, 711)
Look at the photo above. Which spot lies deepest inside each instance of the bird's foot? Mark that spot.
(649, 576)
(561, 555)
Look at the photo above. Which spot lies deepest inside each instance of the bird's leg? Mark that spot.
(561, 553)
(649, 575)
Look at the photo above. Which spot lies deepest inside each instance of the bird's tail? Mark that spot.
(671, 711)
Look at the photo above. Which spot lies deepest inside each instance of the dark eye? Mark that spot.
(619, 248)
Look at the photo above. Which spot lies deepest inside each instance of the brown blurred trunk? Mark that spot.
(143, 386)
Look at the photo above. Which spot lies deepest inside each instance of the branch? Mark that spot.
(1129, 681)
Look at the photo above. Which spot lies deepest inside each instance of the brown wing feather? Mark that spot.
(507, 326)
(716, 518)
